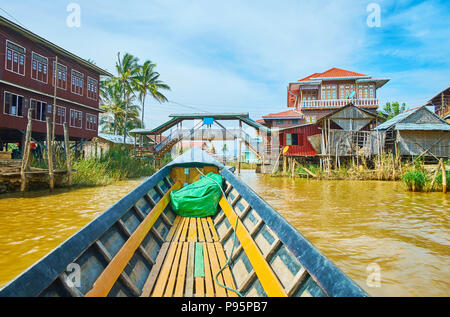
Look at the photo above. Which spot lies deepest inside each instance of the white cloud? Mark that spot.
(235, 55)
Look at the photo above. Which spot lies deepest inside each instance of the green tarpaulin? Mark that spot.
(199, 199)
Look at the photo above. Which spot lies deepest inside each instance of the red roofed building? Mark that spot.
(320, 93)
(282, 119)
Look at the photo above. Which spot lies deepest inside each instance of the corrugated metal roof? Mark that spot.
(396, 121)
(386, 125)
(114, 138)
(423, 126)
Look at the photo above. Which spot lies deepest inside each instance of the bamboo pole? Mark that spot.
(50, 155)
(26, 152)
(435, 174)
(444, 177)
(293, 168)
(68, 159)
(307, 170)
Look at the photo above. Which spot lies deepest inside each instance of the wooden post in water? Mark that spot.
(293, 167)
(50, 154)
(68, 158)
(26, 152)
(444, 177)
(435, 174)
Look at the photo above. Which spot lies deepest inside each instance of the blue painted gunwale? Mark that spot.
(328, 276)
(38, 277)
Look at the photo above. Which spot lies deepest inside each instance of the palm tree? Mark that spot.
(120, 110)
(147, 81)
(126, 68)
(111, 101)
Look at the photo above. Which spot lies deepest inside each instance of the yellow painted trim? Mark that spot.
(111, 273)
(266, 276)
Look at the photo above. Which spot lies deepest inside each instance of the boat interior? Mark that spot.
(141, 247)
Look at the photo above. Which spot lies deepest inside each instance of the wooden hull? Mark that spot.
(140, 247)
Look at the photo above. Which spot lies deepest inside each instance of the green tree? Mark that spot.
(121, 114)
(391, 110)
(127, 68)
(147, 82)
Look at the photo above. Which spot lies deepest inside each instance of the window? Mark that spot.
(76, 118)
(15, 58)
(91, 122)
(39, 66)
(60, 116)
(294, 121)
(345, 91)
(279, 121)
(77, 82)
(39, 110)
(61, 76)
(13, 104)
(92, 87)
(366, 91)
(288, 139)
(329, 92)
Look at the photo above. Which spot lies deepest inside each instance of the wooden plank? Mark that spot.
(173, 229)
(177, 234)
(206, 231)
(266, 276)
(181, 276)
(199, 286)
(173, 272)
(199, 270)
(109, 276)
(189, 287)
(165, 271)
(209, 285)
(227, 275)
(220, 291)
(183, 235)
(213, 229)
(156, 268)
(201, 235)
(192, 235)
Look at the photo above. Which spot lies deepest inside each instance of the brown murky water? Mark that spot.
(354, 223)
(33, 225)
(357, 223)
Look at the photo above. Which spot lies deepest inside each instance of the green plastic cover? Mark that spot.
(199, 199)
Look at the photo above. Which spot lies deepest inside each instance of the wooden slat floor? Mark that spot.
(188, 262)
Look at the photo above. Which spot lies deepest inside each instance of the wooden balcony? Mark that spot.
(337, 103)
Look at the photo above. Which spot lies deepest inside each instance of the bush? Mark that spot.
(415, 180)
(116, 164)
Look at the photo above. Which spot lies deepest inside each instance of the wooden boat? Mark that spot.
(140, 247)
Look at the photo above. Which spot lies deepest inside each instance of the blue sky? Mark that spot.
(238, 56)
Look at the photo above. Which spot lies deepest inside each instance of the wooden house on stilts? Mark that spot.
(417, 132)
(345, 132)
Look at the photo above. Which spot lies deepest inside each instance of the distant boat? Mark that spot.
(140, 247)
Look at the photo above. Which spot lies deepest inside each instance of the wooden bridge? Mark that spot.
(153, 143)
